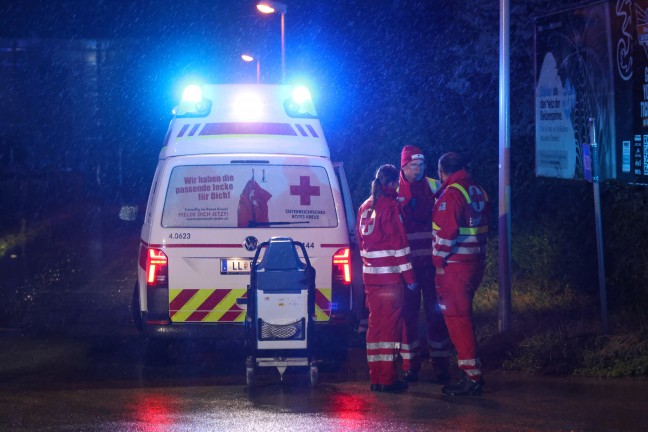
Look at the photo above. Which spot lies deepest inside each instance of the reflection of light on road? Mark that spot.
(352, 410)
(153, 413)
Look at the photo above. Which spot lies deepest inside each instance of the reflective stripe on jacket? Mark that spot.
(416, 200)
(383, 244)
(460, 221)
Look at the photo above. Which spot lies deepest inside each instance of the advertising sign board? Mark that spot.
(592, 62)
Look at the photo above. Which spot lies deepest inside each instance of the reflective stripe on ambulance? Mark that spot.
(219, 305)
(206, 305)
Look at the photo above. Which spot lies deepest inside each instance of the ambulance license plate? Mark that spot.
(235, 265)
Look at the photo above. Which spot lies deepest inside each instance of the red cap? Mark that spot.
(411, 153)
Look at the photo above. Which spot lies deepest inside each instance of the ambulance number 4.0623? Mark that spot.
(180, 236)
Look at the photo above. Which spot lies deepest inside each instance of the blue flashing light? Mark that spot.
(192, 93)
(300, 104)
(301, 94)
(193, 103)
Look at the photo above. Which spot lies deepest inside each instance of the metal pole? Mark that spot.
(504, 221)
(283, 48)
(599, 226)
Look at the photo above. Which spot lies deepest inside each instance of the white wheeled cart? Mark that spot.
(281, 309)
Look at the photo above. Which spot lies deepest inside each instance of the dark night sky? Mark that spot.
(347, 52)
(383, 73)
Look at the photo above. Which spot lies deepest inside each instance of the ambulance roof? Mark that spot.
(245, 118)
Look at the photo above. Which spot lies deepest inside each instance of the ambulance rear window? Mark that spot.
(249, 196)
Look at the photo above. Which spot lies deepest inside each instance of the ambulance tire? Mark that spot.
(334, 347)
(339, 353)
(156, 351)
(135, 309)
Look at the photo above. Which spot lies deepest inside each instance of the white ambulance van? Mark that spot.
(241, 164)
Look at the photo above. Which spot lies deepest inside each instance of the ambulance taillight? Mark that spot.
(155, 263)
(342, 266)
(341, 261)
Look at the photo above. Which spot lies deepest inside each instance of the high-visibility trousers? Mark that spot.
(385, 303)
(456, 288)
(438, 339)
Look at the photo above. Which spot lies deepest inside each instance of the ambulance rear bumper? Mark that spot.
(221, 331)
(228, 332)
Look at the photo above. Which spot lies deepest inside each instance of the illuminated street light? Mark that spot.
(268, 7)
(248, 58)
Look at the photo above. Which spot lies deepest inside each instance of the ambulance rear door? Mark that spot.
(216, 209)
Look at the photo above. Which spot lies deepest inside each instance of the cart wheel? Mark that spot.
(249, 370)
(314, 375)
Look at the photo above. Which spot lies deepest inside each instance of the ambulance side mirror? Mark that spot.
(128, 213)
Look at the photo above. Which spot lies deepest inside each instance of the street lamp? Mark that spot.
(248, 58)
(269, 7)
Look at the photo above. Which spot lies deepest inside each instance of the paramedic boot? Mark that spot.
(396, 387)
(465, 386)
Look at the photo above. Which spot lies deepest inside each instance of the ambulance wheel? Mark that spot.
(314, 375)
(334, 346)
(156, 352)
(135, 309)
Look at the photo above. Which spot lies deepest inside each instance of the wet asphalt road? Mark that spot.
(70, 360)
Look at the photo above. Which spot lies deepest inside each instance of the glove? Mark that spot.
(412, 286)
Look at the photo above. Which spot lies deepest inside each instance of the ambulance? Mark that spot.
(242, 164)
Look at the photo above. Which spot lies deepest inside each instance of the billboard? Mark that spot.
(592, 62)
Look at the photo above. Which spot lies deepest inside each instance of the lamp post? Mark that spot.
(248, 58)
(269, 7)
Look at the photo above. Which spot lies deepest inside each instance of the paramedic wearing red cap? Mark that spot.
(460, 225)
(416, 198)
(386, 268)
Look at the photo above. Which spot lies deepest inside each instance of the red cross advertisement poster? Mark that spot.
(249, 196)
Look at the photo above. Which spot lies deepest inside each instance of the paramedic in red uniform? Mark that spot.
(386, 271)
(416, 199)
(460, 226)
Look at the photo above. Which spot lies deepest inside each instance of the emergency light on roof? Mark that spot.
(193, 103)
(192, 93)
(247, 106)
(301, 94)
(248, 118)
(300, 105)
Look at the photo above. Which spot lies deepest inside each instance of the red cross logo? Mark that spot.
(477, 198)
(367, 222)
(304, 190)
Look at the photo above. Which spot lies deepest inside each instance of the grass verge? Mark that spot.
(556, 330)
